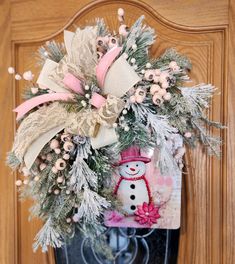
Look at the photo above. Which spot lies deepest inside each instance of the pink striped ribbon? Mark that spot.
(105, 63)
(31, 103)
(74, 84)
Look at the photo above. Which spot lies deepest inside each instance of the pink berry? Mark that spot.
(123, 30)
(56, 191)
(154, 89)
(172, 64)
(57, 151)
(54, 144)
(165, 85)
(68, 146)
(149, 75)
(162, 92)
(106, 39)
(163, 77)
(60, 179)
(157, 72)
(100, 41)
(66, 156)
(176, 68)
(132, 99)
(25, 171)
(28, 76)
(112, 42)
(65, 137)
(120, 18)
(157, 99)
(188, 134)
(99, 55)
(167, 97)
(49, 157)
(140, 92)
(54, 170)
(156, 79)
(76, 218)
(139, 99)
(60, 164)
(34, 90)
(42, 166)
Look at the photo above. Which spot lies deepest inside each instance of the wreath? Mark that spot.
(99, 103)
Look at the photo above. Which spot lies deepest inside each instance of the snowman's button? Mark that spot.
(132, 197)
(133, 207)
(132, 186)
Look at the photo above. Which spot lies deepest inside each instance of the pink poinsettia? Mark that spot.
(147, 214)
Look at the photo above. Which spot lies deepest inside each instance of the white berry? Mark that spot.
(120, 12)
(133, 60)
(28, 76)
(18, 77)
(87, 87)
(83, 103)
(148, 65)
(125, 56)
(126, 128)
(11, 70)
(26, 182)
(124, 112)
(134, 46)
(87, 96)
(18, 183)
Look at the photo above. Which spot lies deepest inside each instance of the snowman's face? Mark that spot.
(132, 169)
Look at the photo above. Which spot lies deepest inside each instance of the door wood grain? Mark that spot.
(201, 29)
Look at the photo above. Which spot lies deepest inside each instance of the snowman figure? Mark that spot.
(132, 188)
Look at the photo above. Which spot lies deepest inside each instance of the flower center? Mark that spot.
(147, 213)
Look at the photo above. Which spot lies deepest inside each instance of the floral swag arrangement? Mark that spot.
(99, 97)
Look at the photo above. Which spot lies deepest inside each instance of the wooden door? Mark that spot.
(202, 30)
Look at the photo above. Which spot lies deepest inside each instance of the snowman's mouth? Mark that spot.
(133, 173)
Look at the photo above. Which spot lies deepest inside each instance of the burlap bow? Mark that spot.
(87, 122)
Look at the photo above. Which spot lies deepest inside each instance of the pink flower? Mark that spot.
(147, 214)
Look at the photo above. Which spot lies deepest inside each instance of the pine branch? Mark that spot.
(48, 236)
(172, 55)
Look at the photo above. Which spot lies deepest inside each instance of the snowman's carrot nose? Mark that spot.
(132, 169)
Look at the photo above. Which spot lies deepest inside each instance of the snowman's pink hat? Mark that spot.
(132, 154)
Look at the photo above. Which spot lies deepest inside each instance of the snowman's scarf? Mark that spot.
(134, 179)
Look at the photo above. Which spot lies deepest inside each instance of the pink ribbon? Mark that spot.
(36, 101)
(73, 83)
(97, 100)
(105, 63)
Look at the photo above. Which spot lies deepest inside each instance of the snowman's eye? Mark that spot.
(127, 166)
(137, 165)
